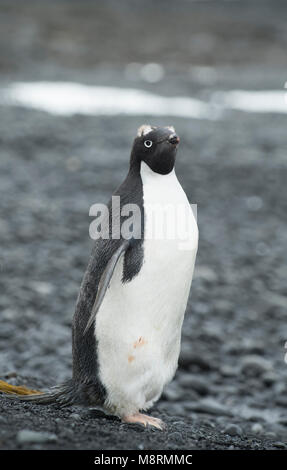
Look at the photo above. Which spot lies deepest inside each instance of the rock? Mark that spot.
(178, 409)
(42, 288)
(210, 406)
(178, 424)
(253, 365)
(187, 358)
(26, 436)
(201, 308)
(254, 203)
(75, 416)
(247, 346)
(233, 430)
(257, 428)
(281, 401)
(194, 382)
(11, 375)
(276, 300)
(253, 346)
(228, 371)
(269, 378)
(223, 305)
(175, 436)
(283, 420)
(205, 273)
(279, 445)
(172, 392)
(211, 332)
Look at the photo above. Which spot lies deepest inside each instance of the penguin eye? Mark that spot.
(148, 143)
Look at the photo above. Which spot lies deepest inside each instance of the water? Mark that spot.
(66, 99)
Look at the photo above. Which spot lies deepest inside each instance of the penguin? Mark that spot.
(126, 330)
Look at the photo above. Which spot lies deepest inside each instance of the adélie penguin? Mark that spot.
(126, 331)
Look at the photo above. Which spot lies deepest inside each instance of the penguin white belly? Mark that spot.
(138, 326)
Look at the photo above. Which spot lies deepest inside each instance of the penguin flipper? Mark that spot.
(105, 281)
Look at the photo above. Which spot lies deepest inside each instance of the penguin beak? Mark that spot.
(173, 139)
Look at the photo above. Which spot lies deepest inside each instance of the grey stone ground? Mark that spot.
(230, 390)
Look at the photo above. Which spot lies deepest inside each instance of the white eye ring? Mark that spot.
(148, 143)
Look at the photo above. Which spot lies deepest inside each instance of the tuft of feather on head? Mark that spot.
(171, 128)
(146, 129)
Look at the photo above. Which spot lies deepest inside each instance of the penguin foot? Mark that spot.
(145, 420)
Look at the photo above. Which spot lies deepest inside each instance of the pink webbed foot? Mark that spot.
(146, 420)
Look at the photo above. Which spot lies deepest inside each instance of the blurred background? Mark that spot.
(76, 80)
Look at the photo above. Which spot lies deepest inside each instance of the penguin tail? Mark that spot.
(62, 395)
(5, 387)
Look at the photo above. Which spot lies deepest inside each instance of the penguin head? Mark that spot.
(156, 146)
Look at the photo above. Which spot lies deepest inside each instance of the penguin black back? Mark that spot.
(85, 367)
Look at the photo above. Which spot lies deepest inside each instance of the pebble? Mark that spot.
(75, 416)
(283, 420)
(254, 203)
(178, 409)
(27, 436)
(201, 308)
(193, 381)
(276, 300)
(187, 358)
(11, 375)
(233, 430)
(172, 392)
(279, 445)
(253, 346)
(42, 288)
(281, 401)
(223, 305)
(175, 436)
(257, 428)
(269, 378)
(211, 332)
(205, 273)
(209, 405)
(178, 423)
(228, 371)
(253, 365)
